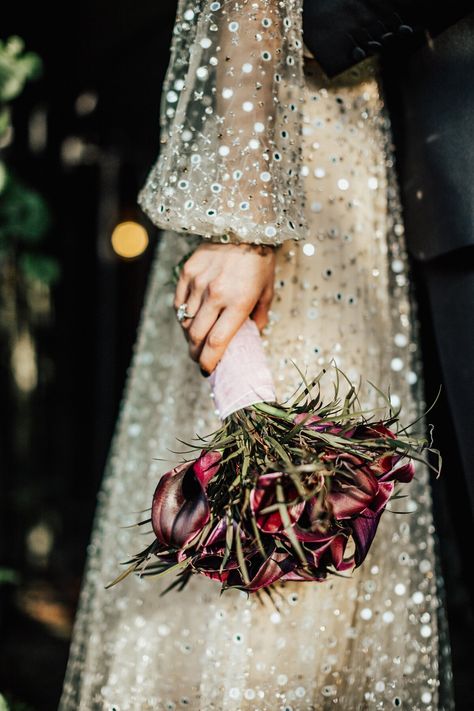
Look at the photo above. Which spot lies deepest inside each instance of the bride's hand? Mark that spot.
(223, 284)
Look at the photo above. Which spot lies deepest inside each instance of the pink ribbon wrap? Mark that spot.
(242, 377)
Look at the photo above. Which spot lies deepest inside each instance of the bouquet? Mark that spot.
(280, 491)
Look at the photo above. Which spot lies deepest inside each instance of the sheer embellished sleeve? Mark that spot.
(230, 162)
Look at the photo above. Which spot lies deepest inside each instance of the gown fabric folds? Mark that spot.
(307, 164)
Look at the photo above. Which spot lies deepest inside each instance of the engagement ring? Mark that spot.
(181, 313)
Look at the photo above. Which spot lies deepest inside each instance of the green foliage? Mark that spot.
(8, 704)
(24, 216)
(40, 267)
(24, 223)
(16, 68)
(5, 118)
(3, 176)
(7, 575)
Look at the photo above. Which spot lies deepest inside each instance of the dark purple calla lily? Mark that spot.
(395, 469)
(264, 494)
(364, 528)
(217, 534)
(262, 571)
(319, 537)
(180, 507)
(319, 547)
(210, 564)
(207, 466)
(382, 497)
(211, 555)
(325, 547)
(305, 574)
(274, 568)
(352, 496)
(216, 540)
(338, 548)
(373, 431)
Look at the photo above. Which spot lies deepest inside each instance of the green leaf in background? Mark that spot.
(5, 116)
(40, 266)
(13, 705)
(7, 575)
(24, 216)
(3, 176)
(16, 69)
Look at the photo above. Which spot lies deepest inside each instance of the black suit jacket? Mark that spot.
(427, 57)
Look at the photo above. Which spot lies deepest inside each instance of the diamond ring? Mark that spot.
(181, 312)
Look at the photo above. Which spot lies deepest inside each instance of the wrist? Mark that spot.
(230, 238)
(263, 250)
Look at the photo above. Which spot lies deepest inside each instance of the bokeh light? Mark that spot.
(129, 239)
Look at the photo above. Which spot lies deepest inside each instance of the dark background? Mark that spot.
(117, 52)
(112, 55)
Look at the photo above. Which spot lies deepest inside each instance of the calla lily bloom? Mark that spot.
(180, 507)
(264, 495)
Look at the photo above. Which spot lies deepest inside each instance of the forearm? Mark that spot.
(231, 162)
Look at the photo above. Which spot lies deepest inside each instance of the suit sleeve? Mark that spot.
(341, 33)
(229, 168)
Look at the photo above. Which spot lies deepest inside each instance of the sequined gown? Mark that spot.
(315, 175)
